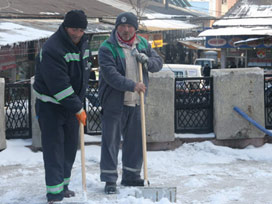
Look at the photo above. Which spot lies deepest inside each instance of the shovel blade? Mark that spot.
(157, 193)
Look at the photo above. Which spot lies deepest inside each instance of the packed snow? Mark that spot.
(202, 172)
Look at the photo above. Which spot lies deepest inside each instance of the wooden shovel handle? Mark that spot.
(82, 148)
(143, 123)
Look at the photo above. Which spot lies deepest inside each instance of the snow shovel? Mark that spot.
(83, 171)
(153, 193)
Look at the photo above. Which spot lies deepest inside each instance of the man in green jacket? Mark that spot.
(119, 89)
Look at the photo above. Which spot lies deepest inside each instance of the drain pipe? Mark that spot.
(253, 122)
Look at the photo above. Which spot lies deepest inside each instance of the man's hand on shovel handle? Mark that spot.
(140, 87)
(81, 116)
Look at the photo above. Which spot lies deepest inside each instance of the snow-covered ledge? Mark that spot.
(3, 143)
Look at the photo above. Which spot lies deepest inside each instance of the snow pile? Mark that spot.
(202, 172)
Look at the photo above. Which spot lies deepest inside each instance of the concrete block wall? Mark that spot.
(242, 88)
(160, 106)
(3, 143)
(36, 133)
(159, 109)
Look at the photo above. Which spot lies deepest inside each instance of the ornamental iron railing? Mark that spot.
(193, 105)
(93, 109)
(17, 110)
(268, 101)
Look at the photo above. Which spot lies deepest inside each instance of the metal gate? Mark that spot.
(268, 101)
(18, 111)
(193, 105)
(93, 109)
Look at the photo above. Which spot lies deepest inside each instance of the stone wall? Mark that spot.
(160, 107)
(3, 143)
(36, 133)
(243, 88)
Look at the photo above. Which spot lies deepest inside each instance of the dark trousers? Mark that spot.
(128, 124)
(60, 130)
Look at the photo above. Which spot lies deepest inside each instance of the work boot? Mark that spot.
(53, 201)
(68, 193)
(110, 188)
(138, 182)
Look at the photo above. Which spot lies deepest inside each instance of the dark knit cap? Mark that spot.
(75, 19)
(127, 18)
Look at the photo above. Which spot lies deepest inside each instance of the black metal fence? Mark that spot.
(93, 109)
(17, 108)
(194, 105)
(268, 101)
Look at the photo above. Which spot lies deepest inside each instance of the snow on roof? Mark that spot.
(160, 25)
(250, 10)
(162, 16)
(23, 30)
(232, 31)
(244, 22)
(11, 33)
(118, 5)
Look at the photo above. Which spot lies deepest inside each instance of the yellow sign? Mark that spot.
(157, 43)
(155, 39)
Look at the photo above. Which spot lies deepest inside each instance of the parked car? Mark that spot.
(184, 71)
(191, 91)
(203, 61)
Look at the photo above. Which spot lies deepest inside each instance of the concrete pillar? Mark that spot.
(3, 143)
(243, 88)
(223, 58)
(160, 107)
(36, 133)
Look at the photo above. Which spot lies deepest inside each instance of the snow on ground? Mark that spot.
(202, 172)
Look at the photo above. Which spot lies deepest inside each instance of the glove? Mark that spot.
(81, 116)
(142, 57)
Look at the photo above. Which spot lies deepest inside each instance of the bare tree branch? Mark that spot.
(139, 7)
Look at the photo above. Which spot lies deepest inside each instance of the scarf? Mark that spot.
(128, 42)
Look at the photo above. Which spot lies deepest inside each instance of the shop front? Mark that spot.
(240, 47)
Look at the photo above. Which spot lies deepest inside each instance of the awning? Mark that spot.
(265, 40)
(233, 31)
(196, 46)
(244, 42)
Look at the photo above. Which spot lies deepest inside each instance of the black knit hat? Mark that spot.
(127, 18)
(75, 19)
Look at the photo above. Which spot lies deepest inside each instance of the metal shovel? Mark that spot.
(153, 193)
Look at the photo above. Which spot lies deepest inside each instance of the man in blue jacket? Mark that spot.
(61, 79)
(119, 89)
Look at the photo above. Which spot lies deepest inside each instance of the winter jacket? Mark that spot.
(62, 71)
(112, 80)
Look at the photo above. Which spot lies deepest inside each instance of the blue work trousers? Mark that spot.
(127, 124)
(60, 132)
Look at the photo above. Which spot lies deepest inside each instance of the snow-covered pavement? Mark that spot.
(202, 172)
